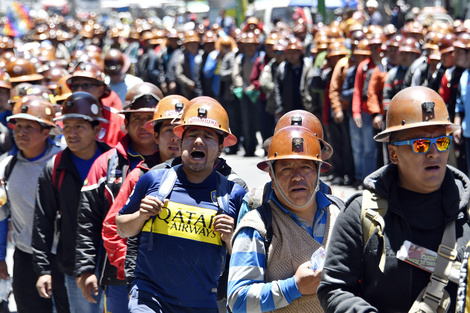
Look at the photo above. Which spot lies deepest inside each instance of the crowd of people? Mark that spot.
(118, 198)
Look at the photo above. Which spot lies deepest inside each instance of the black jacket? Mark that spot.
(97, 195)
(51, 199)
(351, 279)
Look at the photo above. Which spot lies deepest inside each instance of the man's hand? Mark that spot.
(358, 121)
(458, 136)
(307, 280)
(224, 225)
(377, 122)
(4, 270)
(151, 206)
(191, 85)
(44, 286)
(249, 88)
(339, 117)
(88, 284)
(172, 86)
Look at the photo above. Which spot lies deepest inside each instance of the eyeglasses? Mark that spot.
(423, 145)
(85, 86)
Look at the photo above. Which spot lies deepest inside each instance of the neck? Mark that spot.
(88, 153)
(116, 79)
(32, 153)
(144, 149)
(196, 177)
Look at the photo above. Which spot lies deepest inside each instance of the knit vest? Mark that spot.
(291, 246)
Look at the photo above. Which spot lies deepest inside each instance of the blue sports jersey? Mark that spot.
(180, 255)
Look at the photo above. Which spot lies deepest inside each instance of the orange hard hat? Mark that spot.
(413, 107)
(206, 113)
(168, 108)
(294, 142)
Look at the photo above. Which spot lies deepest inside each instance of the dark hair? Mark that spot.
(157, 126)
(95, 123)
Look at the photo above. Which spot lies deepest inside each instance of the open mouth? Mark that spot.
(298, 189)
(198, 155)
(432, 168)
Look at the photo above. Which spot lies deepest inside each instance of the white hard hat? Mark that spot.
(372, 4)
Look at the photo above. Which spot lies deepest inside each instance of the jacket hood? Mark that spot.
(386, 177)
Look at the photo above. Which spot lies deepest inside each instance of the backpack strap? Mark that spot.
(56, 184)
(223, 193)
(336, 201)
(434, 298)
(9, 167)
(373, 209)
(266, 215)
(57, 157)
(166, 186)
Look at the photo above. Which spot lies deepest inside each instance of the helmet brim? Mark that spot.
(384, 136)
(229, 139)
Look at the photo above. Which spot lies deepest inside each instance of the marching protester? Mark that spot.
(211, 205)
(55, 217)
(417, 199)
(287, 70)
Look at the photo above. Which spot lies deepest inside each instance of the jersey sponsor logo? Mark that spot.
(185, 221)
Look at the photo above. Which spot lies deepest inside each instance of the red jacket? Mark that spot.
(111, 133)
(112, 101)
(115, 246)
(359, 104)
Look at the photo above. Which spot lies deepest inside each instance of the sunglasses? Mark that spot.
(423, 145)
(85, 86)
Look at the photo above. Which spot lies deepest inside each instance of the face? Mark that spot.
(250, 49)
(421, 173)
(192, 47)
(209, 47)
(393, 55)
(293, 56)
(460, 57)
(168, 142)
(200, 148)
(88, 85)
(135, 128)
(79, 135)
(297, 180)
(4, 97)
(447, 59)
(279, 56)
(30, 137)
(407, 58)
(269, 50)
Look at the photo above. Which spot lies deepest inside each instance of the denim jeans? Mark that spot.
(363, 146)
(116, 299)
(78, 304)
